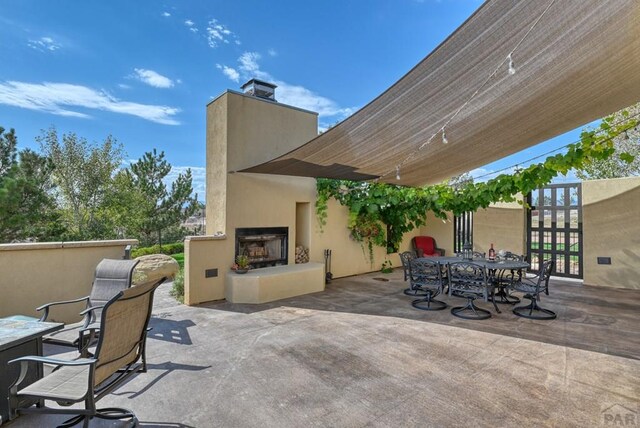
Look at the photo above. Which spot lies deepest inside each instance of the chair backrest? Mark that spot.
(425, 273)
(545, 273)
(424, 245)
(405, 259)
(511, 257)
(111, 277)
(467, 276)
(479, 255)
(123, 329)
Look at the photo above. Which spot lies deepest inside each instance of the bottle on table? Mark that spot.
(492, 253)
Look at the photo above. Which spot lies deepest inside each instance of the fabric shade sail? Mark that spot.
(575, 61)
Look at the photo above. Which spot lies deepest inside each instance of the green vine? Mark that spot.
(380, 214)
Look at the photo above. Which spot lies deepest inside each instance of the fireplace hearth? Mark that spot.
(265, 246)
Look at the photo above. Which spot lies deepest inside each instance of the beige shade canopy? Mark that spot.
(575, 61)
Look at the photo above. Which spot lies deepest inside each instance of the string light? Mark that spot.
(626, 135)
(512, 69)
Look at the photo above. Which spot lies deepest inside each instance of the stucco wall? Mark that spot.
(440, 230)
(39, 273)
(610, 212)
(504, 225)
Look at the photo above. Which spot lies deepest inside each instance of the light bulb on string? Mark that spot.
(512, 68)
(626, 135)
(398, 172)
(444, 137)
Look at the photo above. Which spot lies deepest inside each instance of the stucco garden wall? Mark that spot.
(610, 212)
(38, 273)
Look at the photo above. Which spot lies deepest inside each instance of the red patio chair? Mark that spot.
(425, 246)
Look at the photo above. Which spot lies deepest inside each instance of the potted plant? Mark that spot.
(387, 266)
(242, 264)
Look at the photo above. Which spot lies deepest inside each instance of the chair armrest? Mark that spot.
(46, 306)
(89, 316)
(55, 361)
(86, 336)
(91, 309)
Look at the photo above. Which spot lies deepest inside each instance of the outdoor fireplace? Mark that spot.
(265, 246)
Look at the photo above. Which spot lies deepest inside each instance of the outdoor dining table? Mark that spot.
(20, 336)
(493, 268)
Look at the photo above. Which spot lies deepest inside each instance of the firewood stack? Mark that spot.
(302, 255)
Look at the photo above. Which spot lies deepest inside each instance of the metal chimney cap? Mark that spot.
(258, 82)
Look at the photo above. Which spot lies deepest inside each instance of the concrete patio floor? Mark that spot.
(359, 355)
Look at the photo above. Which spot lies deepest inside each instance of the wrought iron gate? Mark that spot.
(462, 231)
(554, 228)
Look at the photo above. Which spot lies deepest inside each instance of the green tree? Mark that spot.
(626, 159)
(27, 208)
(83, 173)
(162, 210)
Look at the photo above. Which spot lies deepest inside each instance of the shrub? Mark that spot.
(168, 249)
(178, 286)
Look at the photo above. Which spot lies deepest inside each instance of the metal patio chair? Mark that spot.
(120, 348)
(405, 259)
(111, 277)
(470, 280)
(532, 287)
(426, 276)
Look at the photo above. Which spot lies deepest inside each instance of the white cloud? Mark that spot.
(44, 44)
(198, 178)
(153, 78)
(272, 52)
(123, 86)
(166, 14)
(56, 98)
(218, 33)
(230, 72)
(249, 65)
(193, 29)
(295, 95)
(189, 23)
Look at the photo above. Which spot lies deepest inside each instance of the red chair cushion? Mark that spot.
(427, 244)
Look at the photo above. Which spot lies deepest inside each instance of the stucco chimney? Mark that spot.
(260, 89)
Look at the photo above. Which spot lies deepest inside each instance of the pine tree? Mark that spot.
(163, 209)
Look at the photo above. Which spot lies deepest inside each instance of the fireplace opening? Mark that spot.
(265, 246)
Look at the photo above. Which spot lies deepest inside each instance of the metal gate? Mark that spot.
(462, 231)
(554, 228)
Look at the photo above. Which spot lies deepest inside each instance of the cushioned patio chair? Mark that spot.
(470, 280)
(111, 277)
(532, 287)
(425, 246)
(426, 277)
(121, 345)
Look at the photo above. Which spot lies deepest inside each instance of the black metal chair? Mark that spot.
(470, 280)
(506, 277)
(426, 275)
(405, 259)
(532, 287)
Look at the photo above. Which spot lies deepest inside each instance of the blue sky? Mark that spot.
(144, 71)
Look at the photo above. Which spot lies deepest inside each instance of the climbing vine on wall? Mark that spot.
(380, 214)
